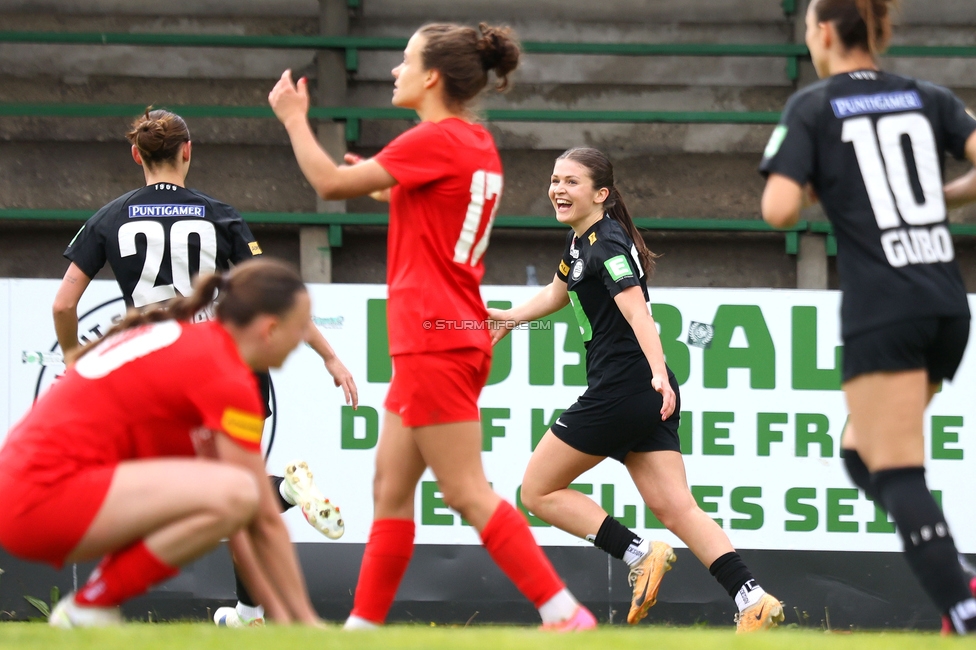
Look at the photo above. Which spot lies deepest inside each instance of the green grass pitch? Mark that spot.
(190, 636)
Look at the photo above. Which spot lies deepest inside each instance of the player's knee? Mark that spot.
(532, 498)
(390, 494)
(462, 496)
(673, 511)
(239, 497)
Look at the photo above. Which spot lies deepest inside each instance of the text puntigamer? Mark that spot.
(171, 210)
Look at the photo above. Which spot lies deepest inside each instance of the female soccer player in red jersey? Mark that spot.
(872, 146)
(103, 464)
(444, 181)
(632, 403)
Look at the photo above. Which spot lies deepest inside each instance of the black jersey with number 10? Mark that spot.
(873, 147)
(158, 238)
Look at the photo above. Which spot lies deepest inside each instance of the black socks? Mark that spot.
(859, 473)
(615, 538)
(929, 548)
(731, 572)
(276, 488)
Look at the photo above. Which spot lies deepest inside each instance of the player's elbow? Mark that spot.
(779, 214)
(64, 307)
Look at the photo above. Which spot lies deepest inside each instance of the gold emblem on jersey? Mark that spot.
(592, 238)
(563, 268)
(255, 249)
(242, 425)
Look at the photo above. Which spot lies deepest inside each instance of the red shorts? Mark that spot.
(438, 387)
(45, 522)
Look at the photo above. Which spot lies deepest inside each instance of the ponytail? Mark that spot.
(617, 210)
(865, 24)
(255, 287)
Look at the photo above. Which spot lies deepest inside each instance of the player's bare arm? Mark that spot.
(782, 201)
(340, 374)
(550, 299)
(631, 303)
(963, 190)
(65, 307)
(330, 181)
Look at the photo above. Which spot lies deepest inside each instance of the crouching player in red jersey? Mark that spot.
(443, 179)
(103, 465)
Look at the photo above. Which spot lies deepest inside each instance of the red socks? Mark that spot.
(513, 548)
(122, 575)
(387, 555)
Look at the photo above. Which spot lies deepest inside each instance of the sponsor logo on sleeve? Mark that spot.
(242, 425)
(775, 141)
(255, 249)
(618, 267)
(163, 210)
(563, 268)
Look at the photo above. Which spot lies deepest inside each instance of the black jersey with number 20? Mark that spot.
(873, 146)
(158, 238)
(596, 267)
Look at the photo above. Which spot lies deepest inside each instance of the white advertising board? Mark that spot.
(762, 413)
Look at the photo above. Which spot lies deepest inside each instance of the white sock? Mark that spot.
(284, 493)
(749, 594)
(357, 623)
(249, 613)
(962, 614)
(634, 554)
(560, 607)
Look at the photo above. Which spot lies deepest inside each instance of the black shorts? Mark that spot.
(606, 424)
(935, 343)
(264, 384)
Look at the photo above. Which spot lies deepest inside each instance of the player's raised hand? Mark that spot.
(500, 323)
(663, 386)
(289, 100)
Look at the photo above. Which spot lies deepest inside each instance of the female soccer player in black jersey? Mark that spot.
(631, 406)
(157, 239)
(871, 146)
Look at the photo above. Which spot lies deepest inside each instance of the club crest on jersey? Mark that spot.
(577, 269)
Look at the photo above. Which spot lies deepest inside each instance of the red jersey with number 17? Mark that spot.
(143, 393)
(449, 184)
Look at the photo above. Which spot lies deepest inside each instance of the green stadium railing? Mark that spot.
(351, 45)
(336, 220)
(353, 114)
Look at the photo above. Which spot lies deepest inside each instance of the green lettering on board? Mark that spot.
(759, 357)
(836, 510)
(542, 351)
(489, 430)
(371, 427)
(431, 500)
(794, 506)
(812, 429)
(941, 436)
(737, 499)
(806, 374)
(379, 367)
(712, 433)
(765, 434)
